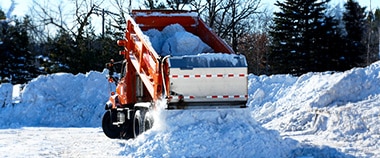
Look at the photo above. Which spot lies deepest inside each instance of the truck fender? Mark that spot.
(146, 105)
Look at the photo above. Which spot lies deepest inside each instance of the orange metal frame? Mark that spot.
(143, 60)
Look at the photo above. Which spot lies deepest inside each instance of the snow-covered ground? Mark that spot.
(315, 115)
(57, 142)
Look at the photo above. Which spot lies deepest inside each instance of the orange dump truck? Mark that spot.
(215, 77)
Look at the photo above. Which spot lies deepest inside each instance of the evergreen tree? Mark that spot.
(61, 50)
(298, 37)
(329, 44)
(354, 18)
(17, 62)
(373, 36)
(377, 31)
(4, 70)
(90, 53)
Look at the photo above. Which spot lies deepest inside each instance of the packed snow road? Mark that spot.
(57, 142)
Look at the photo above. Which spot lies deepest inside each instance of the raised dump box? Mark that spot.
(190, 69)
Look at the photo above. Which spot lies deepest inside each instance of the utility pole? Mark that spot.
(104, 12)
(103, 20)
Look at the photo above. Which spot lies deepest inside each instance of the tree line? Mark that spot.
(306, 39)
(300, 36)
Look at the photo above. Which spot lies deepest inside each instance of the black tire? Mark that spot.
(110, 130)
(148, 121)
(127, 130)
(138, 123)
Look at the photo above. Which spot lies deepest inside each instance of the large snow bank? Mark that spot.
(60, 100)
(322, 107)
(276, 95)
(176, 41)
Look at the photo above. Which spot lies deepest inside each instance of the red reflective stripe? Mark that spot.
(209, 97)
(208, 75)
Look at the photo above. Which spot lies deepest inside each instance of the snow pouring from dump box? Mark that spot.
(207, 133)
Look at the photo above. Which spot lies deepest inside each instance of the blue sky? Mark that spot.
(23, 6)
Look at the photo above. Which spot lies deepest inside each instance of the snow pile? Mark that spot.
(60, 100)
(312, 92)
(176, 41)
(188, 50)
(208, 60)
(322, 107)
(192, 14)
(208, 133)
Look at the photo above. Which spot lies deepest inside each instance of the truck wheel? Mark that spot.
(109, 129)
(138, 127)
(126, 131)
(148, 121)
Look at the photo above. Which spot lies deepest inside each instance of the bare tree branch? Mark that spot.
(231, 18)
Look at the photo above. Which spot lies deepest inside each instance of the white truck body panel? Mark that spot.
(209, 84)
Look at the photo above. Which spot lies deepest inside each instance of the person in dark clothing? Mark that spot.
(111, 70)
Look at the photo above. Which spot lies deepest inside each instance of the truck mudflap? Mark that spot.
(212, 80)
